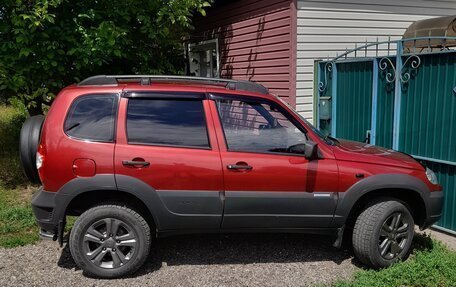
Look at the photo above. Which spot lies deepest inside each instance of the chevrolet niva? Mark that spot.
(142, 156)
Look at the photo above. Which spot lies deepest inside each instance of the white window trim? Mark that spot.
(192, 45)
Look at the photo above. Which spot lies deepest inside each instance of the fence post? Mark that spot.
(374, 102)
(397, 96)
(317, 96)
(334, 100)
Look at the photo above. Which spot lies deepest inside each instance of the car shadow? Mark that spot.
(209, 249)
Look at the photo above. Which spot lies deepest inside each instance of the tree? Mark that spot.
(48, 44)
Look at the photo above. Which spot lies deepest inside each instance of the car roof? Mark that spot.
(154, 82)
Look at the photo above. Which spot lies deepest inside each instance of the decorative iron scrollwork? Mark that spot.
(385, 64)
(322, 85)
(415, 62)
(410, 64)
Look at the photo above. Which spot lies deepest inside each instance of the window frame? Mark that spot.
(192, 46)
(116, 97)
(283, 111)
(172, 96)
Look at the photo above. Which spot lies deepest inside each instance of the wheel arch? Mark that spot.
(82, 193)
(405, 188)
(88, 199)
(410, 198)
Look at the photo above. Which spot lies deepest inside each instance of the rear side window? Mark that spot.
(92, 118)
(170, 122)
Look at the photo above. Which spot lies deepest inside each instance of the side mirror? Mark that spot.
(298, 149)
(311, 150)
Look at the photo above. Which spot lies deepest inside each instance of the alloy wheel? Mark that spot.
(110, 243)
(394, 235)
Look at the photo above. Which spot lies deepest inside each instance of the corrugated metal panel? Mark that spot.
(427, 125)
(354, 100)
(328, 27)
(428, 109)
(385, 110)
(255, 42)
(447, 178)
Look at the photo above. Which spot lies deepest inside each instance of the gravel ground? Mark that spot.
(203, 260)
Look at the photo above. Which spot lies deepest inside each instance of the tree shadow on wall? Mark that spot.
(245, 61)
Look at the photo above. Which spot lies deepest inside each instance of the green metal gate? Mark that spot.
(398, 98)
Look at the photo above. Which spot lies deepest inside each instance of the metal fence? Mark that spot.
(397, 94)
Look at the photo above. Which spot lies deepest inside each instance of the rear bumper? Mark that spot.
(434, 208)
(47, 214)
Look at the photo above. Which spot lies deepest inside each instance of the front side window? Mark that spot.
(258, 127)
(171, 122)
(92, 117)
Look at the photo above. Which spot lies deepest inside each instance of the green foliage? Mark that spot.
(48, 44)
(11, 119)
(432, 264)
(17, 223)
(11, 174)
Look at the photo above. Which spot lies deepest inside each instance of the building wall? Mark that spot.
(257, 41)
(326, 28)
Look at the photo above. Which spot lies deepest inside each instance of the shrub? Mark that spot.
(11, 119)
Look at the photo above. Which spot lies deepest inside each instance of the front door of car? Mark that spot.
(268, 181)
(164, 142)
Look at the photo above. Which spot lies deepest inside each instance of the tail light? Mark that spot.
(40, 161)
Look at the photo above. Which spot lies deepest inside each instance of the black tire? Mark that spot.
(130, 223)
(378, 241)
(28, 146)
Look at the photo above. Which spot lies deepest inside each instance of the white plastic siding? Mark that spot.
(329, 27)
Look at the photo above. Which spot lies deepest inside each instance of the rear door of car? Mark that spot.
(266, 184)
(164, 140)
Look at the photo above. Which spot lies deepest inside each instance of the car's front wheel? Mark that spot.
(110, 241)
(383, 234)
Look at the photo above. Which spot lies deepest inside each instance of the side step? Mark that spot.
(47, 235)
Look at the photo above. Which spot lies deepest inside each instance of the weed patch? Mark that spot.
(431, 264)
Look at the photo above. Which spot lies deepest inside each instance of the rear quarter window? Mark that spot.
(92, 117)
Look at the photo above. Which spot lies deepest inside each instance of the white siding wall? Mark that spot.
(329, 27)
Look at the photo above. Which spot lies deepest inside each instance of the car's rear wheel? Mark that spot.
(110, 241)
(383, 234)
(28, 146)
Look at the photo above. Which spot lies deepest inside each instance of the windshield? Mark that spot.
(326, 138)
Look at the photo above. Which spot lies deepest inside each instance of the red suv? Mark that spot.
(142, 156)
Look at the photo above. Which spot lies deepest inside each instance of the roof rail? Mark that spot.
(146, 80)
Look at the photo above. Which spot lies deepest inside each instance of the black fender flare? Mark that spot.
(349, 198)
(108, 183)
(164, 218)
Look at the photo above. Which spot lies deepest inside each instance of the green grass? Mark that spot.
(431, 264)
(17, 223)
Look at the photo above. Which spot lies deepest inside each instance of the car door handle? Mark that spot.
(239, 167)
(135, 163)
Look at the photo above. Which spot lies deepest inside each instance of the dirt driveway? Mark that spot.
(202, 260)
